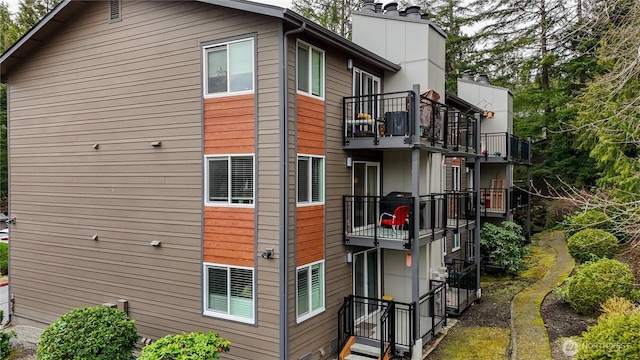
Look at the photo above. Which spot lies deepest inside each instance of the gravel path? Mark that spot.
(26, 341)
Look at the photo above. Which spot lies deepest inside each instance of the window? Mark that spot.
(310, 180)
(456, 242)
(229, 292)
(310, 290)
(366, 84)
(229, 180)
(229, 68)
(310, 67)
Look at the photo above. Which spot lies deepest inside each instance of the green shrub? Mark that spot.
(503, 246)
(5, 339)
(186, 346)
(614, 337)
(4, 258)
(592, 244)
(593, 219)
(595, 282)
(97, 333)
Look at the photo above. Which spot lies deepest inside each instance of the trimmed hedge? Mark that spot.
(593, 219)
(614, 337)
(194, 345)
(96, 333)
(592, 244)
(595, 282)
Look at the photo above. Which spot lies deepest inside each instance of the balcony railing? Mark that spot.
(389, 119)
(462, 132)
(461, 209)
(502, 200)
(461, 285)
(390, 217)
(391, 323)
(504, 145)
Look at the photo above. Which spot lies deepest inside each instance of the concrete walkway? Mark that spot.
(529, 337)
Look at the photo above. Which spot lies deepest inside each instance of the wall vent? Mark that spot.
(115, 10)
(306, 357)
(333, 347)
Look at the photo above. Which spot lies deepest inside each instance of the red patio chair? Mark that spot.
(399, 218)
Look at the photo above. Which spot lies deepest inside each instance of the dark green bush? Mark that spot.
(96, 333)
(614, 337)
(194, 345)
(4, 258)
(5, 340)
(593, 219)
(503, 246)
(595, 282)
(592, 244)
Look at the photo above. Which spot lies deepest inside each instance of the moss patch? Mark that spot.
(474, 343)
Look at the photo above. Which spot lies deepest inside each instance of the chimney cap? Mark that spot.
(468, 75)
(391, 6)
(483, 79)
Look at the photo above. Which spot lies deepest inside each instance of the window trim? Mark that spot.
(205, 292)
(311, 313)
(205, 69)
(324, 175)
(456, 236)
(310, 60)
(207, 202)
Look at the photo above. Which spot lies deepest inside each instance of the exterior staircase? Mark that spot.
(361, 349)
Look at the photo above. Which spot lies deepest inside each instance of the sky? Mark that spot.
(13, 4)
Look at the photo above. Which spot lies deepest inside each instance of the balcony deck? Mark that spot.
(499, 202)
(364, 225)
(387, 121)
(504, 148)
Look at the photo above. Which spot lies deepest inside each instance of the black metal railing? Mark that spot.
(379, 115)
(494, 200)
(390, 217)
(433, 311)
(462, 285)
(388, 115)
(388, 323)
(504, 145)
(519, 198)
(461, 209)
(461, 132)
(433, 122)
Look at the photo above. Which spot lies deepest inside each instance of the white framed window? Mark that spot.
(456, 242)
(366, 84)
(229, 68)
(229, 292)
(310, 70)
(229, 180)
(310, 180)
(455, 177)
(309, 290)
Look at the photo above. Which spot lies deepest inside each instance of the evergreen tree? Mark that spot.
(334, 15)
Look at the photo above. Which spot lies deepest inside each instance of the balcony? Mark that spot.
(461, 133)
(498, 202)
(389, 326)
(504, 147)
(387, 121)
(461, 285)
(387, 221)
(461, 209)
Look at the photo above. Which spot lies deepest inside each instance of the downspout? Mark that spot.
(476, 186)
(284, 198)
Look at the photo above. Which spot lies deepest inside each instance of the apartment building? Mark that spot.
(232, 166)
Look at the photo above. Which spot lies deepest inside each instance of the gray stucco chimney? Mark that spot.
(483, 79)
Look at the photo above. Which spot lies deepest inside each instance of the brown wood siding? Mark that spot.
(309, 234)
(229, 235)
(229, 125)
(317, 332)
(311, 124)
(122, 86)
